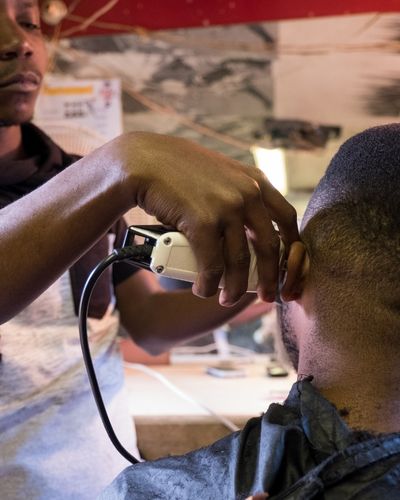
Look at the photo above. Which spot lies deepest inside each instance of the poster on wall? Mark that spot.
(91, 104)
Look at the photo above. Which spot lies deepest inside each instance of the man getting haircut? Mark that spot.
(337, 435)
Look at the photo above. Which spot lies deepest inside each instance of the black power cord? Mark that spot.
(132, 253)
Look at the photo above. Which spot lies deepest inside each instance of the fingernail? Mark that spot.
(195, 290)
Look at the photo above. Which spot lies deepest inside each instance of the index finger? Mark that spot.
(207, 246)
(280, 210)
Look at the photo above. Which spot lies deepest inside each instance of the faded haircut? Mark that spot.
(352, 225)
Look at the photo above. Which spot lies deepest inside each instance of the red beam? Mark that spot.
(168, 14)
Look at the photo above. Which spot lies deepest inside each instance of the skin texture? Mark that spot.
(360, 379)
(343, 327)
(217, 206)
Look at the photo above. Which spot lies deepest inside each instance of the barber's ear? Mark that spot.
(297, 270)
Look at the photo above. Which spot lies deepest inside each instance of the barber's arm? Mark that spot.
(157, 319)
(209, 197)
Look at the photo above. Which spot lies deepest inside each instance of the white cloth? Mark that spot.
(52, 442)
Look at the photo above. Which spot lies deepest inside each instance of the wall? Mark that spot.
(217, 85)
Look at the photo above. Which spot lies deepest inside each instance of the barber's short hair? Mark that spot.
(352, 223)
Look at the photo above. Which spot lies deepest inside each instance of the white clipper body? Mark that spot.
(173, 257)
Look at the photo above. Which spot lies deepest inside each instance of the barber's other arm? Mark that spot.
(209, 197)
(158, 320)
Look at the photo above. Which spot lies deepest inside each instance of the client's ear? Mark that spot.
(296, 273)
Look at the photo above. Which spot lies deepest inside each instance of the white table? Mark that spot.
(168, 424)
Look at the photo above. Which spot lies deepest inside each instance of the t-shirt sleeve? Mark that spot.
(121, 270)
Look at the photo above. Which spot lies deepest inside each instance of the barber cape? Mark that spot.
(299, 450)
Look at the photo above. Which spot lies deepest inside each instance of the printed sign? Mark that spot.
(92, 104)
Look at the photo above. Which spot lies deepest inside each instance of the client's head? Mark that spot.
(349, 300)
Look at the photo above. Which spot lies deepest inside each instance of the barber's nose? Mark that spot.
(15, 46)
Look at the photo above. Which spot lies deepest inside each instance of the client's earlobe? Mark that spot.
(296, 272)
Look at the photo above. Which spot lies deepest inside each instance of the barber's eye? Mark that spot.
(29, 26)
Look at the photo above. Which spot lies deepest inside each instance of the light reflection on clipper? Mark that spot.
(283, 260)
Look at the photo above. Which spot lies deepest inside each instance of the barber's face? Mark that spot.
(23, 59)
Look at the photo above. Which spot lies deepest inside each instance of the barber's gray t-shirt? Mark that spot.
(52, 442)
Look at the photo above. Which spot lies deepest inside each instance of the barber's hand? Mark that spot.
(217, 203)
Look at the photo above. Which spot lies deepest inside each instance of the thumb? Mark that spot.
(297, 268)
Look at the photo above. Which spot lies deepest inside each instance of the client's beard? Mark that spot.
(288, 335)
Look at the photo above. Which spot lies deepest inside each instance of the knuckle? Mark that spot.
(211, 273)
(271, 248)
(203, 225)
(256, 173)
(232, 202)
(246, 191)
(242, 260)
(252, 191)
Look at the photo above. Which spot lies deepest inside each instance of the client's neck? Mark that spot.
(364, 386)
(11, 143)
